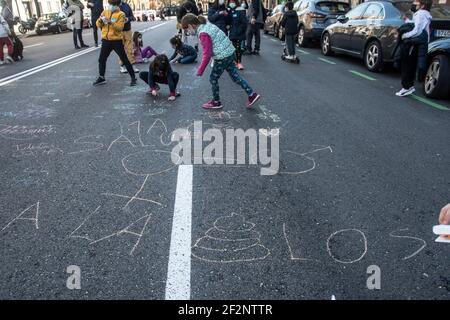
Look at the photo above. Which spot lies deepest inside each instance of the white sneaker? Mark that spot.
(405, 92)
(2, 62)
(212, 63)
(146, 60)
(123, 69)
(9, 59)
(135, 69)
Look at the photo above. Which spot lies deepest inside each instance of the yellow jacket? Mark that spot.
(112, 31)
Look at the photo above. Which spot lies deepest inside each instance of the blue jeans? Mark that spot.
(219, 67)
(187, 59)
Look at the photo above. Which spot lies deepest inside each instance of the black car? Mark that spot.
(315, 15)
(51, 23)
(437, 79)
(370, 31)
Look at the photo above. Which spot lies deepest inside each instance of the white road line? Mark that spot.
(33, 45)
(178, 285)
(29, 72)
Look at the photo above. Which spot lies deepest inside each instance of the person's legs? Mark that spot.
(94, 28)
(148, 52)
(237, 46)
(120, 50)
(216, 72)
(249, 37)
(290, 45)
(408, 67)
(257, 33)
(236, 77)
(2, 44)
(104, 54)
(74, 35)
(144, 76)
(187, 59)
(80, 37)
(172, 81)
(10, 46)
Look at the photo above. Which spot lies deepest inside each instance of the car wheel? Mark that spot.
(22, 30)
(436, 84)
(325, 44)
(275, 30)
(373, 56)
(302, 40)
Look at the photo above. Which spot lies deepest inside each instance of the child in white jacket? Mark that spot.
(422, 19)
(4, 40)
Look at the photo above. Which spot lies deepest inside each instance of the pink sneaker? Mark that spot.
(212, 105)
(240, 66)
(252, 99)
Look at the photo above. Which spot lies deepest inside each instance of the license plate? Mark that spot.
(442, 33)
(44, 28)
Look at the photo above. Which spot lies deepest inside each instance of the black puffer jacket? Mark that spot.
(290, 22)
(189, 6)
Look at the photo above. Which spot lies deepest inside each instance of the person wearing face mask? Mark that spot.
(112, 22)
(413, 47)
(217, 14)
(216, 45)
(237, 21)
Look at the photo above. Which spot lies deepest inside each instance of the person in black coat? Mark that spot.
(290, 24)
(217, 14)
(96, 7)
(237, 22)
(188, 6)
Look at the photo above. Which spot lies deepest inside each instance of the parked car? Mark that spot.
(440, 25)
(138, 15)
(370, 31)
(315, 15)
(51, 22)
(437, 79)
(273, 21)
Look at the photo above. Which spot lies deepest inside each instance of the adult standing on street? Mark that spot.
(256, 16)
(76, 7)
(188, 6)
(8, 16)
(127, 36)
(217, 15)
(4, 40)
(96, 7)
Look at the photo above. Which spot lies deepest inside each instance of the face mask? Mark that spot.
(243, 6)
(413, 7)
(232, 5)
(112, 7)
(221, 2)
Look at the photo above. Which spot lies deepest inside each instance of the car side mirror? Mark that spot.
(342, 19)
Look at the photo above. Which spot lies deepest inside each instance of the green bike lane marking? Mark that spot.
(362, 75)
(429, 102)
(326, 60)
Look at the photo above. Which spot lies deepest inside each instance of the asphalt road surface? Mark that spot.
(87, 181)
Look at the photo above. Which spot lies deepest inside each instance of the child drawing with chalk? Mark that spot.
(183, 53)
(161, 72)
(218, 46)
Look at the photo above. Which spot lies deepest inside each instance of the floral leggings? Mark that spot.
(219, 67)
